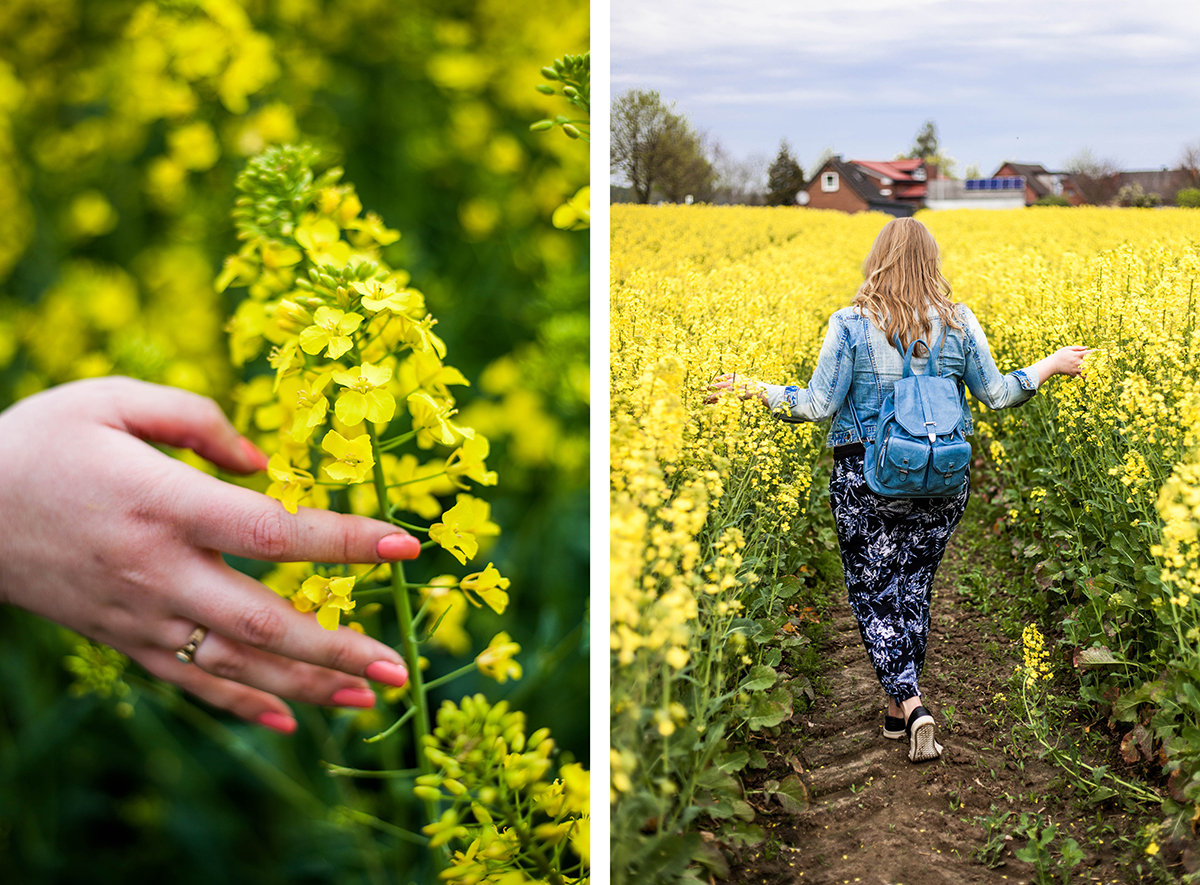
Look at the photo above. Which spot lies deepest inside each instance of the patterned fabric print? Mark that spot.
(891, 548)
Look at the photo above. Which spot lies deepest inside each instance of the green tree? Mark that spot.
(785, 178)
(656, 148)
(926, 144)
(926, 147)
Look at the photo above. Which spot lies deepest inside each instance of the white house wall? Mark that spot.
(1016, 201)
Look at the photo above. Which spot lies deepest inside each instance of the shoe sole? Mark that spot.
(893, 735)
(922, 741)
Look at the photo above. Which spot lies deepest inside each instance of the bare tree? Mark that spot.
(656, 148)
(1189, 162)
(1095, 178)
(738, 181)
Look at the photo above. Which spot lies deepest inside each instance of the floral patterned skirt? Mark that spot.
(891, 548)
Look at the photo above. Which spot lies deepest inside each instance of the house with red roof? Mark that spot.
(897, 187)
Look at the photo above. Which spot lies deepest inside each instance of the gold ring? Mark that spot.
(188, 650)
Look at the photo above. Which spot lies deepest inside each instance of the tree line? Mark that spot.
(663, 157)
(660, 154)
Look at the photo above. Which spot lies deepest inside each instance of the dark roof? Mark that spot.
(1164, 182)
(1031, 172)
(863, 185)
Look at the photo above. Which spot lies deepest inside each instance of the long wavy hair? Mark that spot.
(903, 281)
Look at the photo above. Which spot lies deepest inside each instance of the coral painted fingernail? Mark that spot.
(387, 673)
(353, 697)
(277, 722)
(254, 453)
(398, 546)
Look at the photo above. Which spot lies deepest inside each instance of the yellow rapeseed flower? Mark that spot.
(354, 458)
(496, 661)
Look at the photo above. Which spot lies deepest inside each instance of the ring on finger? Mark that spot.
(187, 651)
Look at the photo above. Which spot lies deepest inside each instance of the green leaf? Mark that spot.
(788, 586)
(793, 795)
(742, 833)
(759, 678)
(711, 858)
(1095, 657)
(734, 761)
(767, 711)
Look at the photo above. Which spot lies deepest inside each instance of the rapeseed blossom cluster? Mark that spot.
(1102, 460)
(359, 406)
(1035, 655)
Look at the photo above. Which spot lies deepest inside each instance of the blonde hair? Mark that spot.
(903, 280)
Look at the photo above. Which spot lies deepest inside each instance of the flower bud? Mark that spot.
(541, 126)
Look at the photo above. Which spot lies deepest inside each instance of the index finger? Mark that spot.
(241, 608)
(216, 515)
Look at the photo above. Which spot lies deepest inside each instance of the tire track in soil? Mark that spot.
(877, 819)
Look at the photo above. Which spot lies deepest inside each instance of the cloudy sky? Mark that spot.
(1027, 80)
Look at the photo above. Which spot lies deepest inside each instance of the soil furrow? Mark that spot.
(877, 819)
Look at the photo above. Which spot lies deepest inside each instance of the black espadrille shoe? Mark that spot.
(893, 727)
(922, 737)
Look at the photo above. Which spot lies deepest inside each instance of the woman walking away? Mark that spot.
(891, 545)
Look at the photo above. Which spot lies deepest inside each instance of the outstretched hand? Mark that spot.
(722, 384)
(1069, 360)
(110, 537)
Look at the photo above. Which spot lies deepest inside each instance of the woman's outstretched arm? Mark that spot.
(104, 534)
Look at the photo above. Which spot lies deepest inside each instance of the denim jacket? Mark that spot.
(857, 364)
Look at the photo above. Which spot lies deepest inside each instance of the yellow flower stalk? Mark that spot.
(289, 485)
(461, 524)
(311, 408)
(365, 395)
(489, 586)
(496, 661)
(432, 419)
(467, 461)
(329, 596)
(330, 331)
(354, 457)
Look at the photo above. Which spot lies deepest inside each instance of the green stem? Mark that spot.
(391, 443)
(409, 482)
(442, 680)
(343, 771)
(391, 729)
(411, 653)
(384, 827)
(232, 743)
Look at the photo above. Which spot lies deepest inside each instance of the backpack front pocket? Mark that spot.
(902, 463)
(950, 462)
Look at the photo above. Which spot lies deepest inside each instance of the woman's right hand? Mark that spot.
(1069, 360)
(729, 382)
(106, 535)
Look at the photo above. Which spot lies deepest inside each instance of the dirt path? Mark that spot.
(877, 819)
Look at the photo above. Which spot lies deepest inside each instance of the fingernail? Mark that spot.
(353, 697)
(398, 546)
(254, 453)
(277, 722)
(387, 673)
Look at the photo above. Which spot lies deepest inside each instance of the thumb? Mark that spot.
(186, 420)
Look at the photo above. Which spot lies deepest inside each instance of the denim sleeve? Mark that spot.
(984, 380)
(829, 385)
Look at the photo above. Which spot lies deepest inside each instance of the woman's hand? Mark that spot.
(729, 382)
(1069, 360)
(1064, 361)
(110, 537)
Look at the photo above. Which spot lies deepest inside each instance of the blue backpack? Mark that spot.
(919, 449)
